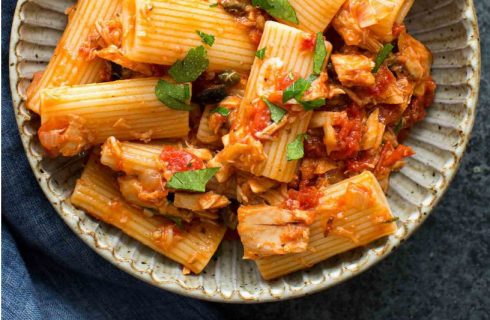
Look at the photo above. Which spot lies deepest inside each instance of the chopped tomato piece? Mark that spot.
(275, 97)
(308, 42)
(180, 160)
(288, 79)
(260, 117)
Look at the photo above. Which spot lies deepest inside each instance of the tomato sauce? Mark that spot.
(390, 156)
(416, 110)
(308, 42)
(304, 199)
(349, 134)
(389, 114)
(260, 117)
(255, 35)
(384, 79)
(180, 160)
(288, 79)
(365, 160)
(398, 29)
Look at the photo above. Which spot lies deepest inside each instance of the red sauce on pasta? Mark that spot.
(308, 43)
(180, 160)
(349, 134)
(384, 79)
(304, 199)
(260, 117)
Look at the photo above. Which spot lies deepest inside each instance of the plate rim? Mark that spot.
(107, 253)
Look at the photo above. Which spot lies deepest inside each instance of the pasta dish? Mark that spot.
(276, 123)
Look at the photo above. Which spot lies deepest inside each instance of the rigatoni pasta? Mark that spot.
(350, 214)
(97, 193)
(126, 109)
(162, 32)
(69, 66)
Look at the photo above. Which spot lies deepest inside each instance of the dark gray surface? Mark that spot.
(443, 271)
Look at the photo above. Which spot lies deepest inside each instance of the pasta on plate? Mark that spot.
(274, 123)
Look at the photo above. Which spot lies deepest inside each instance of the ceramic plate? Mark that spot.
(448, 27)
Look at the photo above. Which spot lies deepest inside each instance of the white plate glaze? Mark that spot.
(448, 27)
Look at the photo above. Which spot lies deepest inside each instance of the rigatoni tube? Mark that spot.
(351, 213)
(78, 117)
(162, 32)
(69, 66)
(282, 43)
(96, 192)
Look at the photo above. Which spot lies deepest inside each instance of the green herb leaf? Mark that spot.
(320, 54)
(279, 9)
(313, 104)
(277, 113)
(214, 5)
(296, 90)
(261, 53)
(222, 111)
(382, 55)
(173, 95)
(295, 149)
(191, 67)
(177, 220)
(194, 180)
(206, 38)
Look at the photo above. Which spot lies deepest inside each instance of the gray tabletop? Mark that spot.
(443, 271)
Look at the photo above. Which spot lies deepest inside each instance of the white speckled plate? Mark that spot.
(448, 27)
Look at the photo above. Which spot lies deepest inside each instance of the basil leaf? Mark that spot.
(382, 55)
(206, 38)
(279, 9)
(261, 53)
(194, 180)
(320, 54)
(313, 104)
(296, 90)
(277, 113)
(173, 95)
(222, 111)
(295, 149)
(191, 67)
(214, 5)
